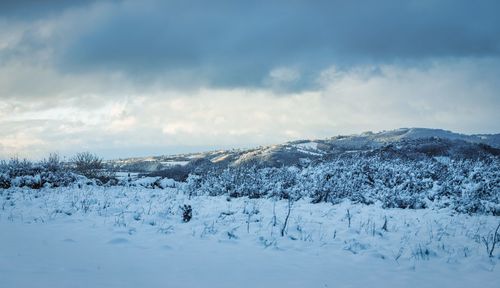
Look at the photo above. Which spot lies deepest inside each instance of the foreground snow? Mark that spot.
(135, 237)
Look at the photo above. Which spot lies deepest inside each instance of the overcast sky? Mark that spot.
(130, 78)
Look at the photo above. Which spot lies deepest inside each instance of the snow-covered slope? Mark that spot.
(430, 142)
(422, 133)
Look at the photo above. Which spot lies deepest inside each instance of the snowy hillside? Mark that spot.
(302, 152)
(420, 133)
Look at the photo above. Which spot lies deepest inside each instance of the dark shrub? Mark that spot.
(187, 213)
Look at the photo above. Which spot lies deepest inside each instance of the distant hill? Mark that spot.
(404, 142)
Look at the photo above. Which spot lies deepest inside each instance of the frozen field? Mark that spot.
(135, 237)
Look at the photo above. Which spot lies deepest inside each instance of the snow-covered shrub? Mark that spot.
(193, 184)
(34, 182)
(46, 173)
(167, 183)
(147, 182)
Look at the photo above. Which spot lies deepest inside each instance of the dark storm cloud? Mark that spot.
(32, 9)
(237, 43)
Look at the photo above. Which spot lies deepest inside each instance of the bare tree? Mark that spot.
(89, 165)
(53, 162)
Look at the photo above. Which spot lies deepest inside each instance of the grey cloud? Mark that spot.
(35, 9)
(228, 43)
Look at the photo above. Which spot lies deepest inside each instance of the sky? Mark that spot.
(137, 78)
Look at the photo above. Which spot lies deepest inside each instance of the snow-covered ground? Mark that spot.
(122, 175)
(309, 148)
(135, 237)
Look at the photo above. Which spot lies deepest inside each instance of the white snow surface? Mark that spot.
(307, 145)
(310, 148)
(174, 163)
(124, 175)
(135, 237)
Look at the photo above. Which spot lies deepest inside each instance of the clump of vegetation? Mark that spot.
(187, 213)
(91, 166)
(53, 172)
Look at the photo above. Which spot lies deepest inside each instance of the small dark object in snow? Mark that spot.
(187, 213)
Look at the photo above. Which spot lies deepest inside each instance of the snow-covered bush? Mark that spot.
(167, 183)
(49, 172)
(34, 182)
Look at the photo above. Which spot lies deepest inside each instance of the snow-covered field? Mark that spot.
(135, 237)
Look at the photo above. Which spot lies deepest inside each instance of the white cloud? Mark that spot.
(19, 143)
(456, 95)
(284, 74)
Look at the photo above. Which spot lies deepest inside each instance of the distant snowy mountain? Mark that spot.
(420, 133)
(404, 142)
